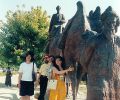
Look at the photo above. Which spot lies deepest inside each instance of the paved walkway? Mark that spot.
(12, 93)
(9, 93)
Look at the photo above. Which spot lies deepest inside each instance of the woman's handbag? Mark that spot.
(52, 84)
(33, 74)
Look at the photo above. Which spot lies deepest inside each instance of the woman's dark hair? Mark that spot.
(52, 59)
(31, 54)
(62, 60)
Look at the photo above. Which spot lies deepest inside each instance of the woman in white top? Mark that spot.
(25, 82)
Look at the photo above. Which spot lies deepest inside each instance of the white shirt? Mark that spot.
(26, 70)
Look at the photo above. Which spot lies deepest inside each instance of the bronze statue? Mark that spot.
(101, 57)
(55, 32)
(72, 43)
(57, 22)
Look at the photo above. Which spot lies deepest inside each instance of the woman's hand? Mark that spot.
(70, 68)
(36, 84)
(38, 80)
(18, 85)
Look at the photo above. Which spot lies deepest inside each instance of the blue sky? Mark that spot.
(68, 7)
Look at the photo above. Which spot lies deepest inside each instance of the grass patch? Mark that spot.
(2, 74)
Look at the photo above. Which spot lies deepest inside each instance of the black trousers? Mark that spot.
(43, 86)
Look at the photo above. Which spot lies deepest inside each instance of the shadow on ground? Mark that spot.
(13, 96)
(2, 85)
(8, 96)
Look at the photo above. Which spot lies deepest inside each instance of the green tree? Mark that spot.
(23, 31)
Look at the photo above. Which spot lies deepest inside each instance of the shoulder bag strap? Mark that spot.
(33, 67)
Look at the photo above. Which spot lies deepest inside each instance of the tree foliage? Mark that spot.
(23, 31)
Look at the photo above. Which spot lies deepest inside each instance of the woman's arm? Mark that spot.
(19, 78)
(20, 75)
(35, 70)
(59, 72)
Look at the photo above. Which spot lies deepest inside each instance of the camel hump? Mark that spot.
(79, 20)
